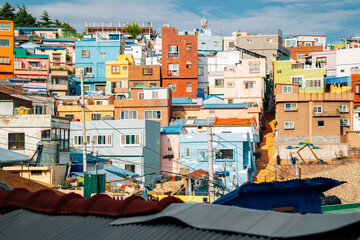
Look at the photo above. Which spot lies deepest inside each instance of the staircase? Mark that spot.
(265, 165)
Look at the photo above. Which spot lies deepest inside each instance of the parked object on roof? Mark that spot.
(300, 196)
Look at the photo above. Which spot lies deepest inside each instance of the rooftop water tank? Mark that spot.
(50, 153)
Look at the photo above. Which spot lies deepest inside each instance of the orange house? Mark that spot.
(355, 86)
(6, 49)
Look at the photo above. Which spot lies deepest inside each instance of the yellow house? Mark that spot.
(117, 73)
(96, 107)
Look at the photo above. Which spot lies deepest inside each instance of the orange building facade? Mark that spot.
(179, 62)
(355, 86)
(149, 75)
(299, 52)
(6, 49)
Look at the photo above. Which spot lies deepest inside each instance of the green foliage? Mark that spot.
(133, 29)
(45, 20)
(23, 18)
(7, 12)
(65, 184)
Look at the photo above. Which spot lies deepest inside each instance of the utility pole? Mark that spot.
(225, 175)
(211, 166)
(83, 121)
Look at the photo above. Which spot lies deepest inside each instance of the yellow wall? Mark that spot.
(7, 70)
(123, 60)
(76, 110)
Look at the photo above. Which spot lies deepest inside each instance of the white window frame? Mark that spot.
(5, 27)
(344, 122)
(287, 89)
(188, 89)
(249, 84)
(173, 51)
(343, 108)
(173, 69)
(88, 70)
(290, 106)
(254, 67)
(292, 125)
(128, 113)
(95, 118)
(317, 109)
(152, 114)
(123, 140)
(42, 109)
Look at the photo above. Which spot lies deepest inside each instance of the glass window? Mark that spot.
(95, 116)
(287, 89)
(297, 80)
(130, 167)
(321, 123)
(172, 86)
(88, 70)
(289, 125)
(4, 26)
(128, 114)
(153, 114)
(291, 107)
(249, 85)
(147, 71)
(45, 134)
(6, 60)
(16, 141)
(254, 67)
(225, 154)
(344, 122)
(173, 69)
(219, 82)
(4, 42)
(343, 108)
(130, 139)
(173, 51)
(231, 44)
(317, 109)
(188, 46)
(155, 94)
(115, 69)
(141, 95)
(200, 71)
(85, 53)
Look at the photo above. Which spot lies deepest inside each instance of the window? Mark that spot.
(187, 152)
(343, 108)
(301, 56)
(216, 43)
(172, 86)
(173, 69)
(291, 107)
(35, 64)
(45, 135)
(18, 64)
(130, 139)
(4, 26)
(173, 51)
(85, 53)
(357, 88)
(115, 69)
(317, 109)
(169, 149)
(188, 89)
(98, 102)
(297, 80)
(86, 88)
(269, 40)
(231, 44)
(202, 43)
(188, 46)
(5, 60)
(130, 167)
(128, 115)
(88, 70)
(57, 57)
(342, 70)
(188, 84)
(279, 71)
(225, 153)
(320, 62)
(200, 71)
(152, 84)
(95, 116)
(321, 123)
(230, 101)
(141, 95)
(230, 84)
(78, 140)
(155, 95)
(344, 122)
(249, 40)
(254, 67)
(124, 68)
(249, 85)
(287, 89)
(71, 116)
(290, 43)
(188, 64)
(16, 141)
(315, 83)
(147, 71)
(38, 109)
(289, 125)
(219, 82)
(169, 139)
(153, 114)
(296, 66)
(4, 42)
(102, 139)
(308, 44)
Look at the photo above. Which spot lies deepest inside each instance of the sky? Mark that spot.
(336, 19)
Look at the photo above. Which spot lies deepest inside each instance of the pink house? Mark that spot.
(33, 66)
(170, 152)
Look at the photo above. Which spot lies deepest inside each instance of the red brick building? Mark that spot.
(300, 51)
(179, 62)
(149, 75)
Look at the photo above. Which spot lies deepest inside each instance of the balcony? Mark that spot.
(306, 97)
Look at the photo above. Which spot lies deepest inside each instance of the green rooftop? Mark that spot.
(341, 208)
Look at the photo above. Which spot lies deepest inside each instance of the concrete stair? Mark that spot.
(265, 165)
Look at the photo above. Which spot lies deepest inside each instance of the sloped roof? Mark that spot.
(181, 100)
(234, 121)
(198, 173)
(8, 156)
(192, 122)
(226, 106)
(77, 156)
(119, 171)
(171, 129)
(141, 85)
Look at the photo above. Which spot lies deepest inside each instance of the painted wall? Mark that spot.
(7, 69)
(330, 61)
(347, 59)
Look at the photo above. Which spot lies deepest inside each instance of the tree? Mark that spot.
(57, 23)
(23, 18)
(45, 20)
(68, 27)
(133, 29)
(7, 12)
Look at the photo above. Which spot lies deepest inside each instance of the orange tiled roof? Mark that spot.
(234, 121)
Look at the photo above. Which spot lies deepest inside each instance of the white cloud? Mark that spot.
(295, 16)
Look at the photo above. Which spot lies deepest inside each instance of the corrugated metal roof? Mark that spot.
(119, 171)
(8, 156)
(22, 224)
(226, 106)
(181, 100)
(192, 122)
(171, 129)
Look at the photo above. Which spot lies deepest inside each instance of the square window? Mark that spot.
(317, 109)
(219, 82)
(155, 95)
(172, 86)
(297, 80)
(141, 95)
(130, 168)
(85, 53)
(173, 51)
(291, 107)
(95, 116)
(16, 141)
(343, 108)
(188, 64)
(169, 149)
(86, 88)
(230, 84)
(115, 69)
(188, 84)
(254, 67)
(5, 60)
(279, 71)
(289, 125)
(249, 85)
(173, 69)
(4, 42)
(344, 122)
(321, 123)
(147, 71)
(287, 89)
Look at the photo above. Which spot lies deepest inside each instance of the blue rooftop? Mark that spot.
(172, 129)
(77, 157)
(226, 106)
(192, 122)
(337, 80)
(211, 96)
(182, 100)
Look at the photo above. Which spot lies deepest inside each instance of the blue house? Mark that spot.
(90, 58)
(232, 155)
(296, 196)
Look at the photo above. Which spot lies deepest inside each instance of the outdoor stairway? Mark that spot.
(265, 165)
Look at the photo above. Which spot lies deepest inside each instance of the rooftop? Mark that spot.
(226, 106)
(171, 129)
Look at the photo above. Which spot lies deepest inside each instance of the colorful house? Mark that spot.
(117, 74)
(169, 149)
(310, 80)
(7, 49)
(146, 74)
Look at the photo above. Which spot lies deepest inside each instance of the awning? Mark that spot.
(336, 80)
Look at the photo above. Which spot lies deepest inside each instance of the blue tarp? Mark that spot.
(336, 80)
(8, 156)
(171, 129)
(77, 157)
(119, 171)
